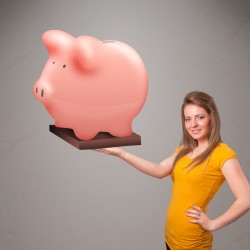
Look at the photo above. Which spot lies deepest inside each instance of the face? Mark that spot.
(197, 122)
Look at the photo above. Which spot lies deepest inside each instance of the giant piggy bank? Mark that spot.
(90, 85)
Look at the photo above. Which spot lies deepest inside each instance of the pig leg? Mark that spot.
(86, 134)
(121, 129)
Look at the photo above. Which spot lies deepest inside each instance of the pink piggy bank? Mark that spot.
(91, 86)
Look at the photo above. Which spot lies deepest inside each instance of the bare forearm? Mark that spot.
(158, 170)
(238, 208)
(147, 167)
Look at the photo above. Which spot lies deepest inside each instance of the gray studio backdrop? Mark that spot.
(56, 197)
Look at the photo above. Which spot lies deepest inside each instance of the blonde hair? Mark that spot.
(205, 101)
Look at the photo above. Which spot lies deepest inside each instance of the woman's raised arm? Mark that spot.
(157, 170)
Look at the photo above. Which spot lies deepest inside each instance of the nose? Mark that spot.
(194, 122)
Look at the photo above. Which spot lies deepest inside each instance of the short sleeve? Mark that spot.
(225, 153)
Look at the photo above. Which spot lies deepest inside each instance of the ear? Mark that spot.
(87, 52)
(55, 40)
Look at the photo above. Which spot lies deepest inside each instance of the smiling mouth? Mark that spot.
(197, 131)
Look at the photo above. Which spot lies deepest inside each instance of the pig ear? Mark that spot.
(55, 40)
(87, 52)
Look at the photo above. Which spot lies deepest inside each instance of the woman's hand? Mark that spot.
(118, 152)
(200, 218)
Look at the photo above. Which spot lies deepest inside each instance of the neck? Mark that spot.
(203, 144)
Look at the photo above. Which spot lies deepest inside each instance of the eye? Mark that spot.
(54, 62)
(64, 66)
(200, 117)
(187, 119)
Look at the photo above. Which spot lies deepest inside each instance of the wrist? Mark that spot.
(123, 155)
(212, 226)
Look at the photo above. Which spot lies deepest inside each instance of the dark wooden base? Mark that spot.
(102, 139)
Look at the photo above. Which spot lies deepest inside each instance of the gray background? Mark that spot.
(55, 197)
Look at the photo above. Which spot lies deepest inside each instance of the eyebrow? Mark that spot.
(195, 115)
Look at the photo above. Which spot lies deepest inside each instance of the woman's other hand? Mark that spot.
(200, 218)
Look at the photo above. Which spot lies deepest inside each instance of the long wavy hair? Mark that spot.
(188, 143)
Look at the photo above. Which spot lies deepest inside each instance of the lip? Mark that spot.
(196, 131)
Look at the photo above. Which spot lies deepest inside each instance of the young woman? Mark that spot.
(198, 168)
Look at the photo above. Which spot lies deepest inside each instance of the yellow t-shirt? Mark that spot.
(196, 187)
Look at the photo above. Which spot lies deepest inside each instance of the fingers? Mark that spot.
(102, 150)
(194, 213)
(197, 208)
(199, 217)
(194, 221)
(99, 150)
(116, 151)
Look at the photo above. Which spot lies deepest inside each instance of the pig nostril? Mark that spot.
(36, 89)
(64, 66)
(42, 93)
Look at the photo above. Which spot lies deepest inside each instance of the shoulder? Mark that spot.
(222, 153)
(223, 148)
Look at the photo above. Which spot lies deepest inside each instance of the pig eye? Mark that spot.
(64, 66)
(54, 62)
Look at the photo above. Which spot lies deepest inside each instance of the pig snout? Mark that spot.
(39, 91)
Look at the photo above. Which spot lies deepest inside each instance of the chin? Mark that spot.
(197, 137)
